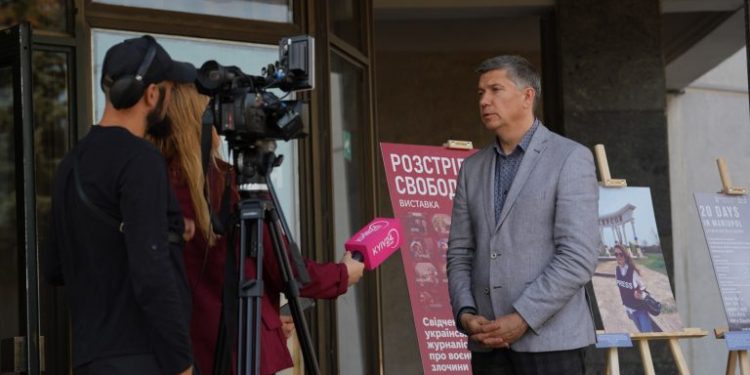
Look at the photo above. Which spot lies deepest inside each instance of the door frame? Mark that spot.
(15, 51)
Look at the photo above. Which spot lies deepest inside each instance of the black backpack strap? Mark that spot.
(206, 140)
(175, 238)
(225, 212)
(218, 224)
(112, 221)
(220, 220)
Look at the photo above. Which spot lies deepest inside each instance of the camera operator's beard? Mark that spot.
(158, 124)
(160, 129)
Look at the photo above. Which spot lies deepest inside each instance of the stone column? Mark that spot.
(612, 88)
(613, 91)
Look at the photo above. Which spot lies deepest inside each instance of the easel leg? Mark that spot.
(731, 362)
(679, 359)
(744, 362)
(648, 362)
(613, 362)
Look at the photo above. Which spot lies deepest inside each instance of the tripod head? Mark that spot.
(255, 162)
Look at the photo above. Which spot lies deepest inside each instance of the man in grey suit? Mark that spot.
(523, 235)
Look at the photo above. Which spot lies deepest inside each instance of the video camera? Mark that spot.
(251, 119)
(244, 111)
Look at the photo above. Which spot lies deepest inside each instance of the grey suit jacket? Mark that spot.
(538, 257)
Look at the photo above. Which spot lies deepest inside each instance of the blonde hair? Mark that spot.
(183, 147)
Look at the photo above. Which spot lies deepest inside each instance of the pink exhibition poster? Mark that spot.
(422, 183)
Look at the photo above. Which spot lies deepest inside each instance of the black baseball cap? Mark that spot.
(127, 56)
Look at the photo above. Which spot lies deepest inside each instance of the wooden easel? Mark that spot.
(642, 339)
(455, 144)
(603, 164)
(613, 361)
(735, 356)
(674, 346)
(726, 182)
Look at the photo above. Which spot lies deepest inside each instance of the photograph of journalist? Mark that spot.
(524, 235)
(125, 284)
(632, 289)
(205, 252)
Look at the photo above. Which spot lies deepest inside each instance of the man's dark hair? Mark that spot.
(518, 69)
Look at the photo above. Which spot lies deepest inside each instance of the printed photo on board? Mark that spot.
(631, 284)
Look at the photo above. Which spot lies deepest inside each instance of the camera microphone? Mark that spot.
(374, 243)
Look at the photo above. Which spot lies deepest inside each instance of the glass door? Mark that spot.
(349, 149)
(19, 288)
(352, 174)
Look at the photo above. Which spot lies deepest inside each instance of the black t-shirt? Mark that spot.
(127, 292)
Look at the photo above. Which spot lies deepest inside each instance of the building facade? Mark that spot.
(386, 71)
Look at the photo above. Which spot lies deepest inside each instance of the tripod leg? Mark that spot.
(251, 290)
(229, 306)
(292, 294)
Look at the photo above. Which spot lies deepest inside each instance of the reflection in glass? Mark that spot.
(261, 10)
(348, 132)
(49, 15)
(9, 288)
(51, 127)
(346, 20)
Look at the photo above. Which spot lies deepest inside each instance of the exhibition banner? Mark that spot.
(726, 225)
(422, 183)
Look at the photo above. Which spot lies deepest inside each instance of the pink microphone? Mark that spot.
(374, 243)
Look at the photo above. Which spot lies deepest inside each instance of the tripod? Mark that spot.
(258, 208)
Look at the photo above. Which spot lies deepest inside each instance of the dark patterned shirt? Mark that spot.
(506, 167)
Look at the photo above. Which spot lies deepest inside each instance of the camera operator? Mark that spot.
(113, 240)
(205, 254)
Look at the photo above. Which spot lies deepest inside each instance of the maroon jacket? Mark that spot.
(205, 270)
